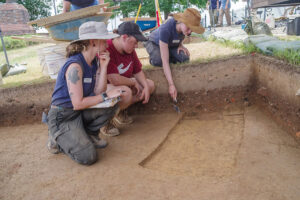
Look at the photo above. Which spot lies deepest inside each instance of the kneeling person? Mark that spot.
(125, 69)
(165, 43)
(81, 83)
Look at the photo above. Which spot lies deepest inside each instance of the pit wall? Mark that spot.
(224, 73)
(25, 104)
(276, 85)
(277, 78)
(202, 87)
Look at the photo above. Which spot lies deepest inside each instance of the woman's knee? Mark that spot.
(86, 156)
(126, 93)
(156, 60)
(183, 57)
(126, 96)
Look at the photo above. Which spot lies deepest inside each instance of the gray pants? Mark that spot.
(71, 129)
(155, 56)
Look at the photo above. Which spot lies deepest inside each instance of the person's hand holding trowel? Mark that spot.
(173, 92)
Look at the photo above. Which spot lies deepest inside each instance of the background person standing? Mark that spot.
(71, 5)
(225, 9)
(213, 8)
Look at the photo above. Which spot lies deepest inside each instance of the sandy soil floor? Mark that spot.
(238, 153)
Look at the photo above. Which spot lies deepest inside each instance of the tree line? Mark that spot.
(42, 8)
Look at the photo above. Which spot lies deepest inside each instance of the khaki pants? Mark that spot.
(227, 15)
(213, 16)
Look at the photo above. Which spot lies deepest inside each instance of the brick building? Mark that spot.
(14, 18)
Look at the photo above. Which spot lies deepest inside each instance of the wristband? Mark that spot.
(104, 96)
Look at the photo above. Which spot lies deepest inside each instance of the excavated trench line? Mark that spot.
(205, 87)
(226, 143)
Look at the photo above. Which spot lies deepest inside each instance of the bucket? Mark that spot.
(54, 58)
(54, 63)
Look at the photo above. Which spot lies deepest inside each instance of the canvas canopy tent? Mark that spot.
(273, 3)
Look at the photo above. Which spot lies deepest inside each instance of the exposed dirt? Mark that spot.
(285, 114)
(237, 153)
(194, 102)
(223, 148)
(274, 91)
(205, 154)
(16, 111)
(24, 104)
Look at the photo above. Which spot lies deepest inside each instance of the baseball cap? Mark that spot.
(132, 29)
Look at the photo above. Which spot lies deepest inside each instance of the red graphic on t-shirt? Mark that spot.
(122, 69)
(124, 64)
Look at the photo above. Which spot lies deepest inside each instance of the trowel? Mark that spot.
(175, 106)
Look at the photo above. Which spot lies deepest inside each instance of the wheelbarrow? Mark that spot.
(7, 69)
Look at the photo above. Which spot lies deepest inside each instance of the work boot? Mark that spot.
(52, 145)
(122, 118)
(98, 142)
(110, 129)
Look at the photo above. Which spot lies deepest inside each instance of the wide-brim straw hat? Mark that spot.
(191, 18)
(94, 31)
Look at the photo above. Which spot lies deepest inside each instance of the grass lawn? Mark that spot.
(288, 37)
(200, 52)
(27, 56)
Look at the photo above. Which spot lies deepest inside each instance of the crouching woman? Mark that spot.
(81, 83)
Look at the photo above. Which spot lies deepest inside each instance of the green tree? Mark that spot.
(130, 8)
(36, 8)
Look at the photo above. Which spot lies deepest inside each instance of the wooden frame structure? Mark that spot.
(63, 17)
(65, 26)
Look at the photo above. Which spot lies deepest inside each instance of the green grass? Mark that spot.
(289, 56)
(146, 67)
(11, 43)
(250, 48)
(289, 38)
(27, 55)
(34, 70)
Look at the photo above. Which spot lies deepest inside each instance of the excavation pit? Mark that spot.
(234, 139)
(205, 146)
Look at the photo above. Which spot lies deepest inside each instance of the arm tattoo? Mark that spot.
(71, 94)
(73, 75)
